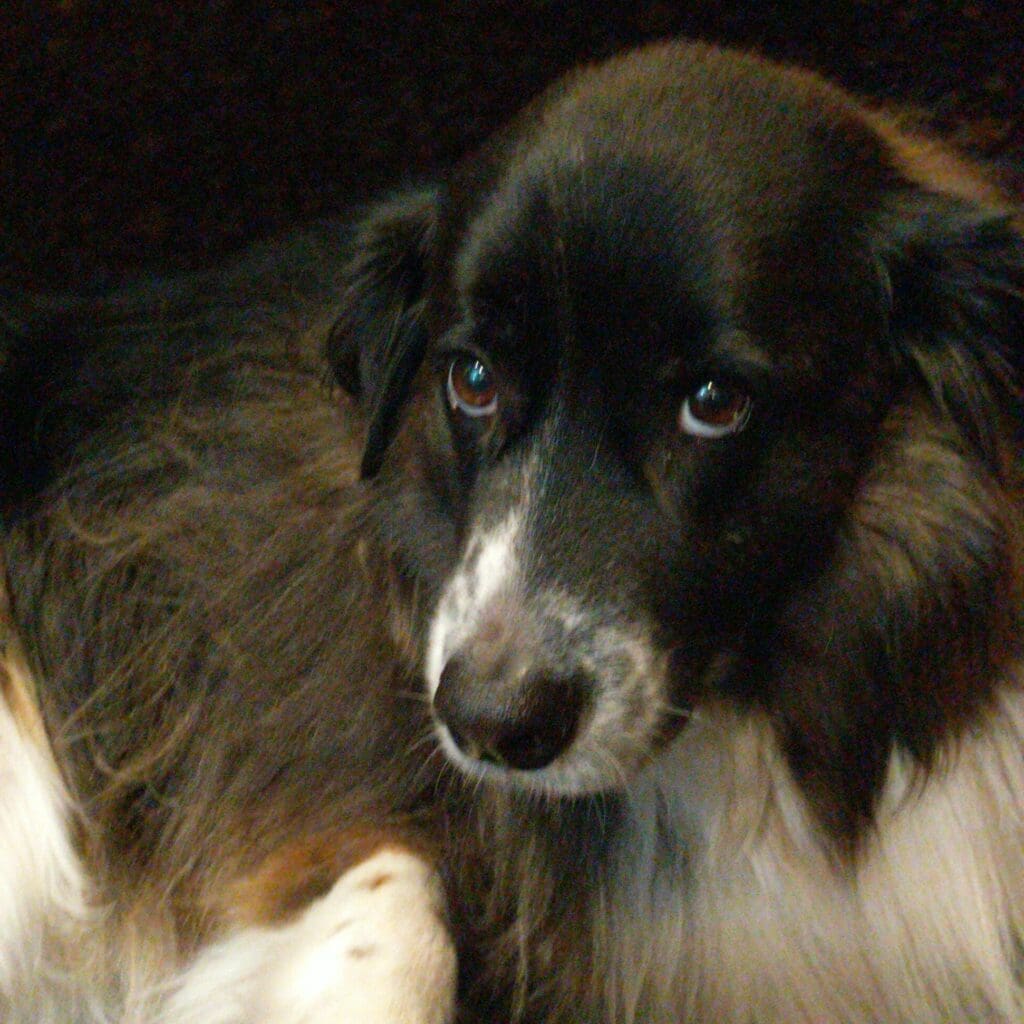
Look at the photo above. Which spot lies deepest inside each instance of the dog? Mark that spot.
(627, 629)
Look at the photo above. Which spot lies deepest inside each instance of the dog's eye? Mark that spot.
(472, 389)
(714, 410)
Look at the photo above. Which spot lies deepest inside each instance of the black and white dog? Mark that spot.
(637, 626)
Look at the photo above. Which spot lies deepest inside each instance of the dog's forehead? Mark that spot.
(666, 194)
(589, 251)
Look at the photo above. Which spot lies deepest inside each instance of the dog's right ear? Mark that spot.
(377, 343)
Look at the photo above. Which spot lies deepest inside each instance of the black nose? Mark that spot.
(523, 724)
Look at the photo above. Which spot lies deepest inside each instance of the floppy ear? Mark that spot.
(904, 633)
(376, 345)
(957, 276)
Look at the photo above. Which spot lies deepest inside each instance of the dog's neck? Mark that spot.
(720, 888)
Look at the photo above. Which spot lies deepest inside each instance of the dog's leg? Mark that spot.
(373, 950)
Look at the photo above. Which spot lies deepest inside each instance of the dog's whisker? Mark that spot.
(671, 710)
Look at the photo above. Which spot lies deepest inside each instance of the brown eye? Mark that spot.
(714, 410)
(472, 389)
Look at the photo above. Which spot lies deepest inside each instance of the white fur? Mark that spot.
(491, 565)
(374, 950)
(758, 923)
(44, 905)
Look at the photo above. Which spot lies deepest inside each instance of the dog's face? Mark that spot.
(636, 377)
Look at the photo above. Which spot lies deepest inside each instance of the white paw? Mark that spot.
(374, 950)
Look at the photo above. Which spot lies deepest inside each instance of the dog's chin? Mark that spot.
(589, 767)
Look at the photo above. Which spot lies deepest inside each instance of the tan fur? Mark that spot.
(934, 164)
(304, 870)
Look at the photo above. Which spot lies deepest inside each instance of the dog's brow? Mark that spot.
(739, 348)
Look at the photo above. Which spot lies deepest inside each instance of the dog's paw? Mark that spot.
(374, 950)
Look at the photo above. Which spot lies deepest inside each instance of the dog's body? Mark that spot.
(690, 453)
(204, 489)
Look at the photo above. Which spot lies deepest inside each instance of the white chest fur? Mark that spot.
(757, 923)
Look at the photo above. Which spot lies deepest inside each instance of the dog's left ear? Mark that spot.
(957, 278)
(377, 343)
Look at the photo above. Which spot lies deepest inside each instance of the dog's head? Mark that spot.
(688, 388)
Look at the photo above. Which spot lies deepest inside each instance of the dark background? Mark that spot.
(161, 134)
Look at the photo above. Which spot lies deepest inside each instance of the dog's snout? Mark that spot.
(522, 724)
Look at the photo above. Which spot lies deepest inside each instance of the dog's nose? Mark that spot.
(523, 724)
